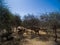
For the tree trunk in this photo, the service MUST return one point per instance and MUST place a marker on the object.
(55, 31)
(55, 35)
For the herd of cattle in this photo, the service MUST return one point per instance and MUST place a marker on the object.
(21, 30)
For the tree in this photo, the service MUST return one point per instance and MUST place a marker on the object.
(44, 20)
(16, 21)
(52, 21)
(32, 22)
(5, 19)
(3, 12)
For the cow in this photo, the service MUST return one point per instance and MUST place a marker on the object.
(35, 29)
(44, 29)
(21, 30)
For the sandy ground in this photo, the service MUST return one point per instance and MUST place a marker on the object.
(36, 42)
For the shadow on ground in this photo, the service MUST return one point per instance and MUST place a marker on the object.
(40, 37)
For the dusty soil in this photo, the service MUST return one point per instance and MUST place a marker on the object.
(37, 41)
(28, 39)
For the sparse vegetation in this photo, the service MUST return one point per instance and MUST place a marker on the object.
(31, 28)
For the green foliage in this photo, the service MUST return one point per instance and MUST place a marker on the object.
(7, 19)
(16, 21)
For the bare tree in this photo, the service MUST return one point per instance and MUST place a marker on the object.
(52, 21)
(31, 22)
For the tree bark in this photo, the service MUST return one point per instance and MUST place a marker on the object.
(55, 35)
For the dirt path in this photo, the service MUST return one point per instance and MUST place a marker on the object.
(37, 42)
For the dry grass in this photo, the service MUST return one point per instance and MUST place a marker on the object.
(30, 39)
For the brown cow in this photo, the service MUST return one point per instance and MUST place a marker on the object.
(21, 30)
(36, 29)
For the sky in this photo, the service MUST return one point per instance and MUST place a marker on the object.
(24, 7)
